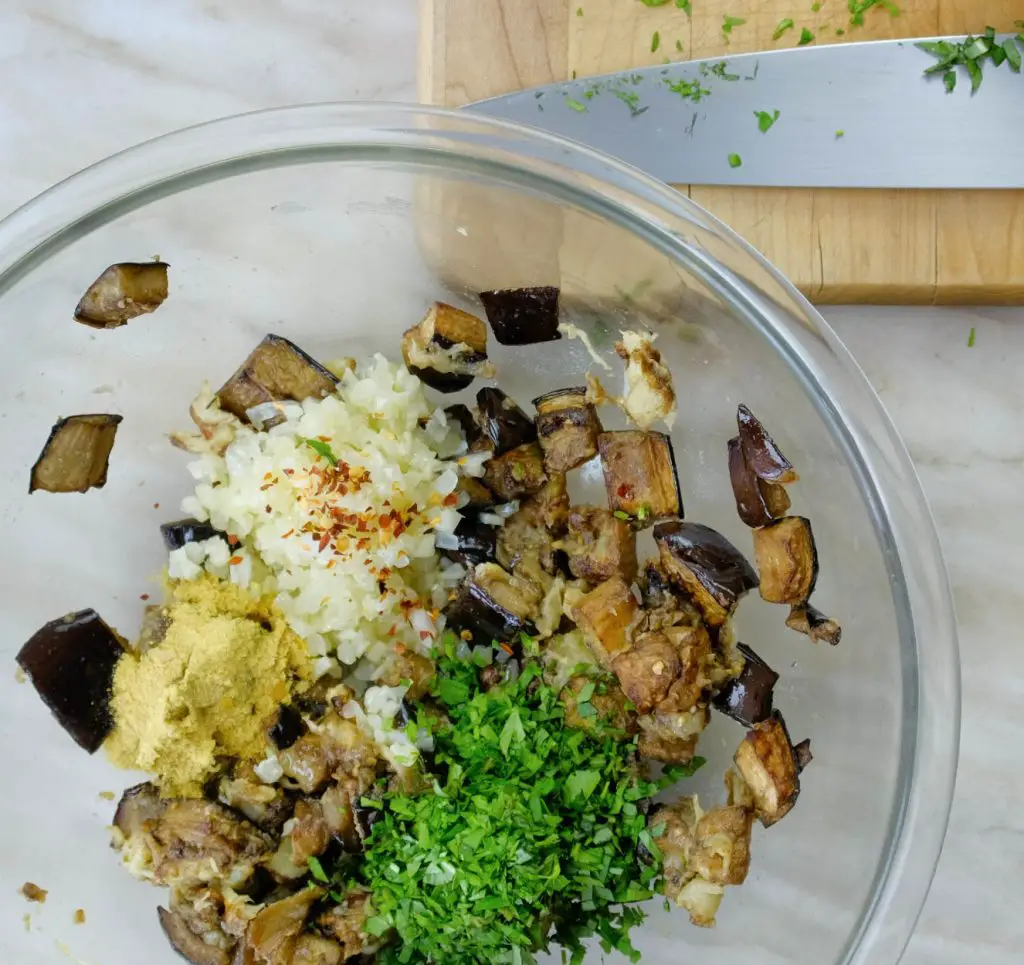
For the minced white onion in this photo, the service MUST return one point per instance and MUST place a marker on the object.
(506, 509)
(473, 463)
(446, 541)
(266, 412)
(491, 519)
(269, 770)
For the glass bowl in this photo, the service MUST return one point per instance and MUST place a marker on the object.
(335, 226)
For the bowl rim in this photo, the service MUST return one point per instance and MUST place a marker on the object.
(887, 480)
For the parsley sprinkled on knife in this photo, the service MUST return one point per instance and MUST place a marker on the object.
(529, 836)
(729, 22)
(655, 41)
(970, 338)
(783, 26)
(575, 104)
(322, 449)
(765, 119)
(971, 54)
(735, 161)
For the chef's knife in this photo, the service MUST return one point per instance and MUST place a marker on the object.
(849, 115)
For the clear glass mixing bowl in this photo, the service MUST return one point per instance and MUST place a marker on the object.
(335, 226)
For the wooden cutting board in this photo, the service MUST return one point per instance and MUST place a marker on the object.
(837, 245)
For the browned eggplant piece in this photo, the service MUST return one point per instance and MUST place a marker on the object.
(707, 566)
(600, 545)
(609, 706)
(187, 943)
(640, 476)
(287, 728)
(123, 292)
(478, 496)
(526, 542)
(277, 370)
(76, 454)
(787, 560)
(768, 763)
(811, 622)
(310, 833)
(748, 697)
(71, 662)
(415, 670)
(568, 427)
(803, 754)
(650, 395)
(503, 422)
(477, 543)
(447, 349)
(494, 605)
(647, 670)
(476, 439)
(523, 316)
(346, 923)
(765, 459)
(273, 932)
(517, 473)
(606, 615)
(757, 502)
(183, 531)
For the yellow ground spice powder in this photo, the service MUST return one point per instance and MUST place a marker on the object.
(207, 690)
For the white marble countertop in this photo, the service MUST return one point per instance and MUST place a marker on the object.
(81, 81)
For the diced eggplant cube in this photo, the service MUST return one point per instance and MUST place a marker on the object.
(276, 371)
(707, 566)
(757, 502)
(665, 748)
(503, 422)
(748, 697)
(447, 349)
(803, 754)
(600, 545)
(811, 622)
(476, 543)
(769, 765)
(650, 395)
(640, 476)
(287, 728)
(187, 943)
(76, 455)
(765, 458)
(647, 670)
(184, 531)
(568, 427)
(606, 615)
(71, 662)
(721, 851)
(523, 316)
(494, 605)
(123, 292)
(787, 560)
(517, 473)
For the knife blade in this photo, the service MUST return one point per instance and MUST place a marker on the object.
(899, 128)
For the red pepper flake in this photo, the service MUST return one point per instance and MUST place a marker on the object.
(156, 505)
(235, 560)
(289, 533)
(268, 475)
(425, 634)
(143, 597)
(267, 509)
(451, 499)
(507, 649)
(331, 564)
(393, 630)
(466, 635)
(232, 539)
(265, 487)
(324, 540)
(289, 472)
(401, 649)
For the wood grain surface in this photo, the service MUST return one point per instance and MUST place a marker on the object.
(919, 247)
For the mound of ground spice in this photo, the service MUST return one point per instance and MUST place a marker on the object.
(207, 689)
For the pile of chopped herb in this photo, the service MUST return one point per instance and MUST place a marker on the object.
(971, 54)
(528, 837)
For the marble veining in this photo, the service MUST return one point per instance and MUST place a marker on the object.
(81, 81)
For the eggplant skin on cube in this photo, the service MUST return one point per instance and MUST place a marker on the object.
(811, 622)
(491, 604)
(748, 697)
(757, 502)
(123, 292)
(76, 455)
(516, 473)
(71, 662)
(523, 316)
(769, 765)
(707, 566)
(476, 543)
(606, 616)
(762, 454)
(447, 349)
(568, 427)
(640, 475)
(503, 422)
(787, 560)
(184, 531)
(275, 371)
